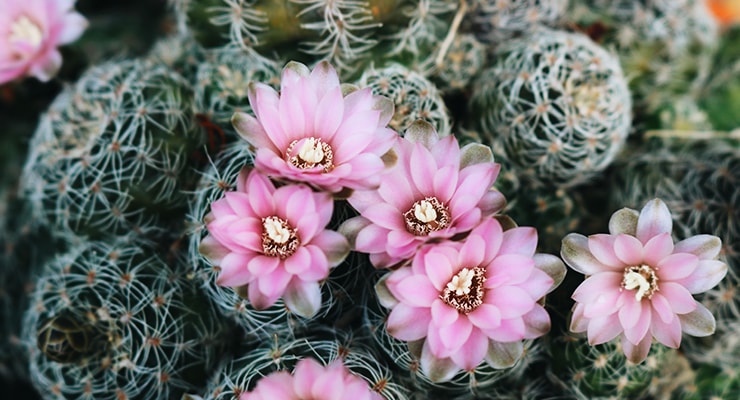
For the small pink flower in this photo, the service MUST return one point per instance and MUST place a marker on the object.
(434, 191)
(31, 31)
(311, 132)
(472, 300)
(274, 242)
(311, 380)
(639, 283)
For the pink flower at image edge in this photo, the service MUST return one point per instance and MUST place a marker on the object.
(30, 33)
(311, 380)
(274, 242)
(639, 284)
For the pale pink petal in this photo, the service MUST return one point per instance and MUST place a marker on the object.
(446, 153)
(333, 244)
(504, 355)
(438, 267)
(213, 250)
(234, 270)
(278, 385)
(299, 262)
(262, 265)
(371, 239)
(576, 254)
(492, 202)
(536, 322)
(637, 353)
(437, 369)
(417, 291)
(274, 284)
(603, 329)
(666, 332)
(251, 130)
(472, 352)
(408, 323)
(578, 323)
(260, 191)
(47, 68)
(324, 78)
(662, 308)
(306, 372)
(602, 248)
(706, 247)
(699, 322)
(492, 233)
(385, 216)
(521, 240)
(455, 334)
(657, 248)
(631, 310)
(677, 266)
(628, 249)
(329, 114)
(510, 330)
(443, 314)
(637, 332)
(512, 301)
(445, 182)
(538, 284)
(654, 219)
(423, 169)
(707, 275)
(303, 298)
(485, 317)
(679, 298)
(318, 269)
(598, 285)
(509, 269)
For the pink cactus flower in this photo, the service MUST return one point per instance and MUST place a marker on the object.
(31, 31)
(273, 242)
(312, 132)
(434, 191)
(472, 300)
(639, 283)
(311, 380)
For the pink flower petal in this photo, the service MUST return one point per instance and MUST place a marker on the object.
(454, 335)
(261, 265)
(471, 354)
(603, 329)
(324, 78)
(299, 262)
(371, 239)
(274, 284)
(510, 330)
(637, 332)
(699, 322)
(436, 368)
(637, 353)
(444, 183)
(259, 192)
(438, 267)
(631, 310)
(666, 332)
(707, 275)
(576, 254)
(504, 355)
(538, 284)
(485, 317)
(522, 240)
(536, 322)
(306, 372)
(72, 27)
(628, 249)
(446, 152)
(679, 298)
(423, 169)
(578, 323)
(278, 385)
(706, 247)
(408, 323)
(443, 314)
(603, 284)
(234, 270)
(602, 248)
(654, 219)
(303, 298)
(386, 216)
(509, 269)
(677, 266)
(662, 308)
(511, 301)
(251, 130)
(657, 248)
(417, 291)
(329, 113)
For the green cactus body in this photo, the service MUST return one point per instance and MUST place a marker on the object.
(413, 95)
(222, 82)
(720, 91)
(498, 20)
(584, 372)
(111, 155)
(241, 374)
(662, 45)
(347, 33)
(114, 320)
(462, 62)
(556, 104)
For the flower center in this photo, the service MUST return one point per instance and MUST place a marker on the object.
(426, 216)
(465, 291)
(279, 239)
(23, 30)
(310, 152)
(642, 278)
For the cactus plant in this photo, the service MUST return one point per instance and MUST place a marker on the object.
(556, 103)
(112, 153)
(115, 320)
(499, 20)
